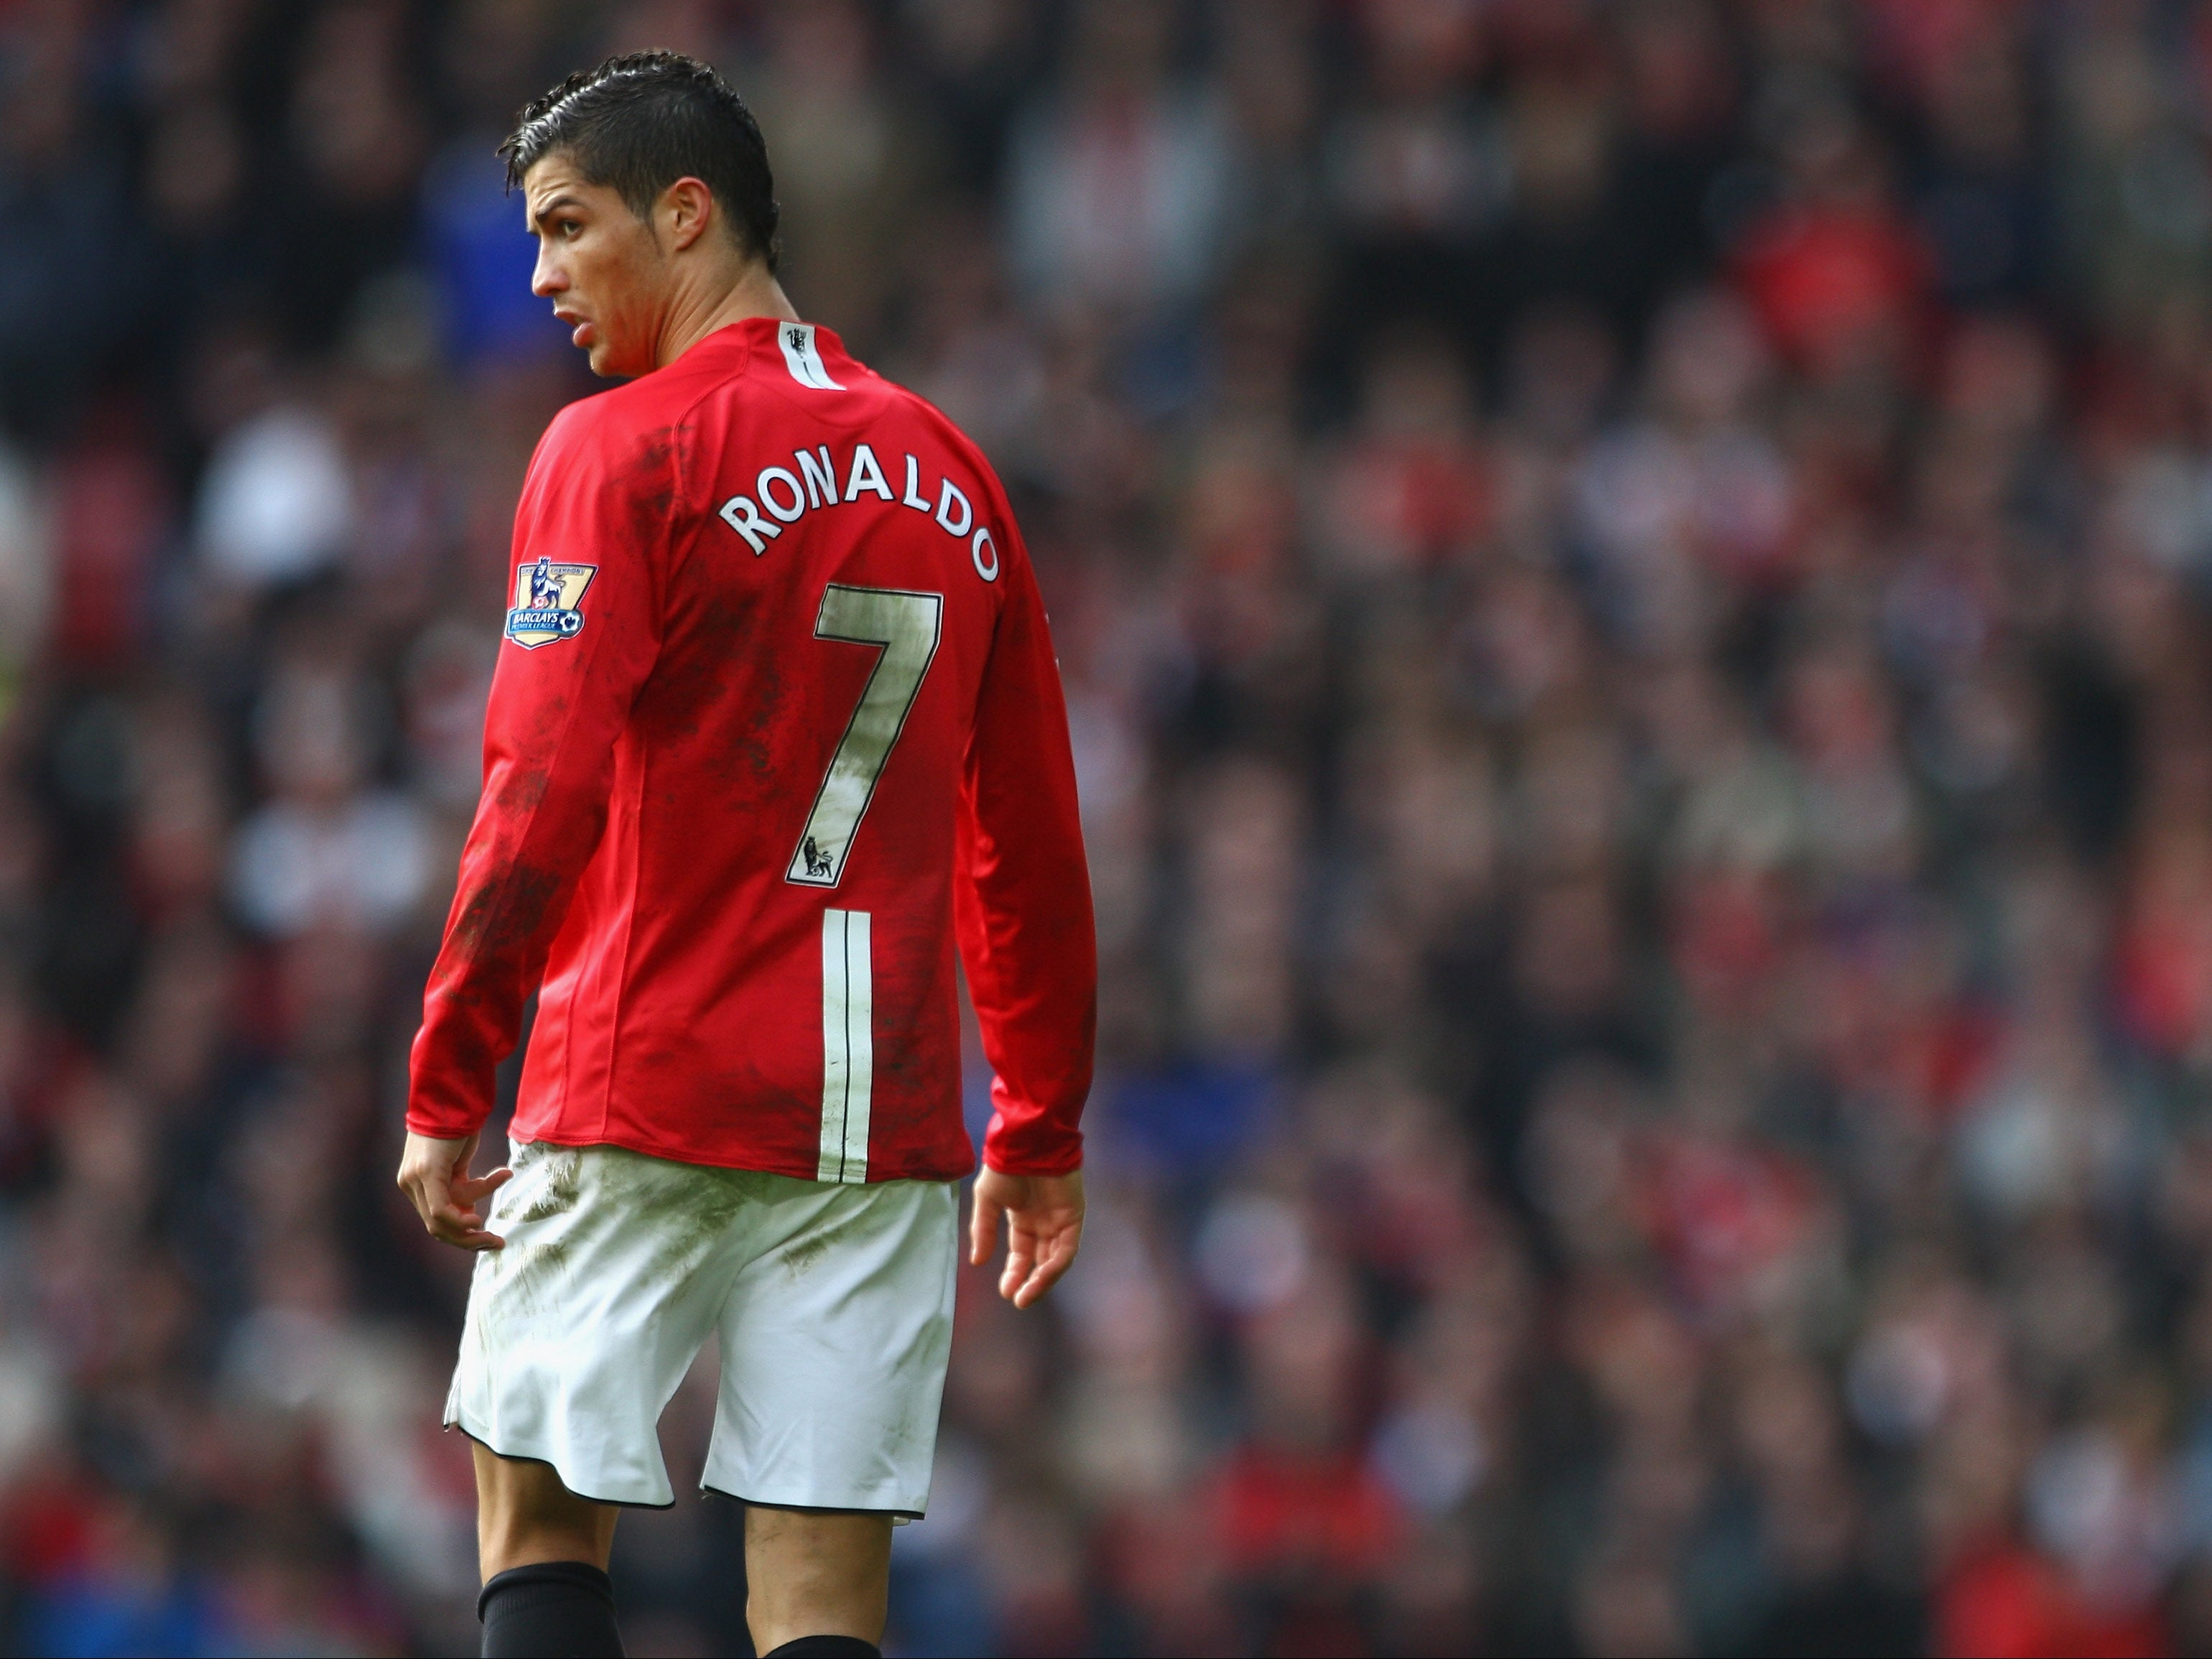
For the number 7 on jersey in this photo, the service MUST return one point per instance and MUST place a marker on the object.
(906, 626)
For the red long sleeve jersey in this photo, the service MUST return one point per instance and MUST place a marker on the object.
(776, 718)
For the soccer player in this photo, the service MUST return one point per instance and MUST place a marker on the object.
(777, 729)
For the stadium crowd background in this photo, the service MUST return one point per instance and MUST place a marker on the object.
(1633, 581)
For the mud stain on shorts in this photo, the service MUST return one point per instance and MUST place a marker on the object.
(692, 1207)
(564, 1185)
(530, 1269)
(541, 1268)
(803, 1253)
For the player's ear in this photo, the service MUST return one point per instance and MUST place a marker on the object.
(686, 207)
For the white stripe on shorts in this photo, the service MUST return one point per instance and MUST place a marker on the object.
(848, 1046)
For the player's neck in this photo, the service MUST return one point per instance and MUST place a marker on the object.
(755, 294)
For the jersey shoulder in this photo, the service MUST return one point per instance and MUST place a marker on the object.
(922, 410)
(635, 411)
(826, 382)
(833, 388)
(622, 449)
(994, 503)
(610, 435)
(907, 404)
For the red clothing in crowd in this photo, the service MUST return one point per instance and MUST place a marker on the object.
(2006, 1602)
(776, 718)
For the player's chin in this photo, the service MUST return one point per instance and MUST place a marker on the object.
(609, 365)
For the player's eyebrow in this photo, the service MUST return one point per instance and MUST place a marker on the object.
(538, 216)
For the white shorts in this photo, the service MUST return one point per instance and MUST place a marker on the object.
(834, 1305)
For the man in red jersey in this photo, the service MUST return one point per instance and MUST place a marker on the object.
(777, 729)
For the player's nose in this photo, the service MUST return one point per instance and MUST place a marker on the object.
(547, 279)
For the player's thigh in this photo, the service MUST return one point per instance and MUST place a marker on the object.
(834, 1347)
(525, 1515)
(811, 1573)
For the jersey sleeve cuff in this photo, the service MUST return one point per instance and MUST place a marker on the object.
(450, 1123)
(1024, 1152)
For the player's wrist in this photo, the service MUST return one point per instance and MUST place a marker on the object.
(1032, 1149)
(446, 1101)
(1028, 1169)
(434, 1126)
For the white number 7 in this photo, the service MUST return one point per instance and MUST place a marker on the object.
(906, 626)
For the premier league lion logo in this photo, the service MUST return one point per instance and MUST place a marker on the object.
(545, 600)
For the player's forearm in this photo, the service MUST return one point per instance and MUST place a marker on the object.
(1031, 953)
(473, 1010)
(518, 873)
(1030, 943)
(470, 1021)
(451, 1069)
(1040, 1042)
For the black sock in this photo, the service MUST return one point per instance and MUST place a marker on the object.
(825, 1647)
(549, 1610)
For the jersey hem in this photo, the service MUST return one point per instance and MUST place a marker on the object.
(794, 1168)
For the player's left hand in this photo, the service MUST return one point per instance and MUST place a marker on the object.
(434, 1176)
(1044, 1229)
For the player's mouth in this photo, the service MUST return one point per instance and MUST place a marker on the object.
(579, 329)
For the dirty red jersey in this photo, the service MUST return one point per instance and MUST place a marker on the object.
(777, 729)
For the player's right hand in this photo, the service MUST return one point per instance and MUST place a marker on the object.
(434, 1176)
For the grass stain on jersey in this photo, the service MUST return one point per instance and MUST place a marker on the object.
(504, 911)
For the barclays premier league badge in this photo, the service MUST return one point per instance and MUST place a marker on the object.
(545, 599)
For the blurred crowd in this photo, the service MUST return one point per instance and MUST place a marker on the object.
(1634, 583)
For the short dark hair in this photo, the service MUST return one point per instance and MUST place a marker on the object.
(639, 123)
